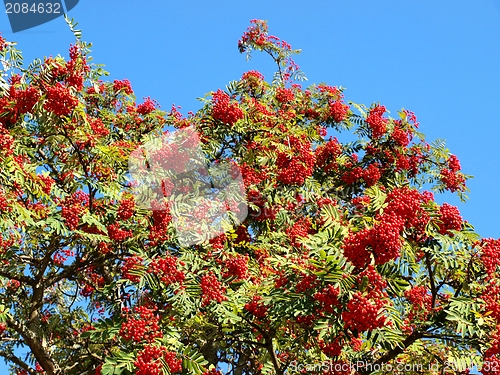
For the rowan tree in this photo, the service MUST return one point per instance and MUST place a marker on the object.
(344, 258)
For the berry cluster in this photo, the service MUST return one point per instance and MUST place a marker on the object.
(361, 202)
(123, 85)
(256, 37)
(61, 256)
(161, 219)
(331, 349)
(450, 219)
(174, 364)
(126, 209)
(354, 248)
(295, 168)
(13, 285)
(59, 100)
(73, 207)
(6, 140)
(351, 176)
(327, 154)
(166, 269)
(104, 247)
(300, 229)
(98, 127)
(491, 300)
(284, 95)
(56, 68)
(332, 92)
(408, 159)
(75, 69)
(255, 34)
(383, 240)
(306, 282)
(452, 180)
(118, 234)
(376, 283)
(149, 361)
(356, 344)
(256, 307)
(454, 163)
(306, 321)
(421, 302)
(259, 111)
(451, 176)
(211, 289)
(5, 243)
(4, 204)
(218, 242)
(170, 157)
(401, 137)
(407, 204)
(242, 234)
(363, 313)
(328, 297)
(376, 121)
(253, 81)
(322, 131)
(411, 118)
(494, 348)
(17, 102)
(253, 74)
(3, 43)
(490, 255)
(280, 281)
(223, 110)
(364, 307)
(403, 212)
(325, 201)
(25, 99)
(46, 183)
(237, 266)
(338, 110)
(147, 107)
(372, 174)
(144, 328)
(251, 176)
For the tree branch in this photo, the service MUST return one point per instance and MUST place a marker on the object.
(12, 358)
(37, 348)
(268, 344)
(391, 354)
(431, 278)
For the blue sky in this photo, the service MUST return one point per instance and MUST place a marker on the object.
(439, 59)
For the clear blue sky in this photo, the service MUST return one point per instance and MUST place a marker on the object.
(440, 59)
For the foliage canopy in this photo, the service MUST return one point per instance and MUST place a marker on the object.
(343, 258)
